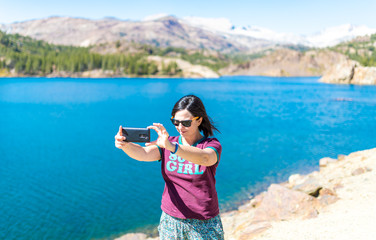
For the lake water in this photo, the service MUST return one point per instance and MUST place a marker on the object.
(61, 176)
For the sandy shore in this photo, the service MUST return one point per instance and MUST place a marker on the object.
(337, 202)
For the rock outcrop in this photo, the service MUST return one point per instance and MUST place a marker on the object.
(286, 62)
(302, 197)
(350, 72)
(349, 195)
(364, 76)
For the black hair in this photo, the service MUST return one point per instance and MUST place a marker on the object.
(195, 106)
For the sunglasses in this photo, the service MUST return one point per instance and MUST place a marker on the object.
(185, 123)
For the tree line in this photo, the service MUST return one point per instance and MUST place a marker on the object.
(34, 57)
(363, 52)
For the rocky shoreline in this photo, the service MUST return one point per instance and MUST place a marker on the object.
(310, 201)
(98, 73)
(349, 72)
(334, 68)
(186, 70)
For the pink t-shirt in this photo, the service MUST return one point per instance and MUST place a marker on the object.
(190, 188)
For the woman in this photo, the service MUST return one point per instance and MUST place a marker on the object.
(189, 161)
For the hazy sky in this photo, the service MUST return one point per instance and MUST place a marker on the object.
(295, 16)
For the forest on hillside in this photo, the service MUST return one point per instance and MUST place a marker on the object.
(35, 57)
(361, 49)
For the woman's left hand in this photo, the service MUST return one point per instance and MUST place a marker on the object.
(163, 135)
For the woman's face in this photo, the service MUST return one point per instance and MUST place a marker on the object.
(187, 131)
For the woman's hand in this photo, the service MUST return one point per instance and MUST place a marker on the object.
(119, 139)
(163, 135)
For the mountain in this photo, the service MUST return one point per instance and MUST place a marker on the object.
(325, 38)
(159, 30)
(162, 32)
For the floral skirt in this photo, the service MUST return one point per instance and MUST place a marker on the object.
(172, 228)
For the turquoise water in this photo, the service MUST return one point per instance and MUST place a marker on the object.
(62, 177)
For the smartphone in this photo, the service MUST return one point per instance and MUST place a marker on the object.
(136, 134)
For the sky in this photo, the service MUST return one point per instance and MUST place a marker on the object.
(289, 16)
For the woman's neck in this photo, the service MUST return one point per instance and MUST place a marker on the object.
(190, 140)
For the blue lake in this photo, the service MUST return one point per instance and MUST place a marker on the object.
(61, 176)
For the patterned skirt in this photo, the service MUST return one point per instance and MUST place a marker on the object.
(172, 228)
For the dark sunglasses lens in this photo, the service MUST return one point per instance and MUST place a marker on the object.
(175, 122)
(186, 123)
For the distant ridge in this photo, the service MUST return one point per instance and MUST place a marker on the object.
(163, 32)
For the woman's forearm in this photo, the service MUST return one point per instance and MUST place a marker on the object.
(139, 153)
(194, 155)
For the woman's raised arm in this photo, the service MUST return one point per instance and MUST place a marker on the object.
(135, 151)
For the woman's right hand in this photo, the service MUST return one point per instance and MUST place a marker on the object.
(119, 139)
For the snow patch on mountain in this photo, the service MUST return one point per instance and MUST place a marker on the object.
(155, 17)
(213, 24)
(328, 37)
(334, 35)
